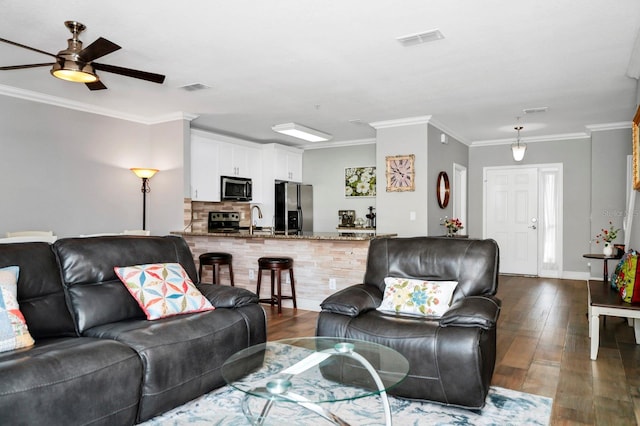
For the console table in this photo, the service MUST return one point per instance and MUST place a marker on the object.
(605, 301)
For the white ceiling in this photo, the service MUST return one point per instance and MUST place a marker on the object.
(325, 63)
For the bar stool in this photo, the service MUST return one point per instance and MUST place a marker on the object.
(276, 265)
(216, 259)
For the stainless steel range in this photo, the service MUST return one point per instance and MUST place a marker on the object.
(224, 222)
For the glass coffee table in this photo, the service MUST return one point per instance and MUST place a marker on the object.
(310, 371)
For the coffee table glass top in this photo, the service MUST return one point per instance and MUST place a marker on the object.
(321, 369)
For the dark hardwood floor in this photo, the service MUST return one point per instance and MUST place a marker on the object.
(543, 348)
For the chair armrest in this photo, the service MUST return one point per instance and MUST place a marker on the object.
(353, 301)
(474, 311)
(222, 296)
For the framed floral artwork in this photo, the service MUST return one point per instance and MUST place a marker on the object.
(400, 173)
(360, 182)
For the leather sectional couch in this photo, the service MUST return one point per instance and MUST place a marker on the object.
(97, 360)
(451, 357)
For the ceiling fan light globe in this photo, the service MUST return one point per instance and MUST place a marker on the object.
(72, 71)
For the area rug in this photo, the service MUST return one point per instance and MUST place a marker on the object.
(503, 407)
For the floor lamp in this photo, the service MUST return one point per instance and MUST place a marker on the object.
(145, 175)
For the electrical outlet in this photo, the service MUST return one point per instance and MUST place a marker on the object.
(252, 274)
(287, 279)
(332, 283)
(195, 215)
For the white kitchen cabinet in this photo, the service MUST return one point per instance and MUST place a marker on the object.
(205, 177)
(288, 165)
(214, 155)
(234, 160)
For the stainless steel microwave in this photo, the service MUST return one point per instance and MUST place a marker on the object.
(235, 188)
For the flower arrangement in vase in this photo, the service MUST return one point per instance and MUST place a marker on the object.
(453, 225)
(607, 236)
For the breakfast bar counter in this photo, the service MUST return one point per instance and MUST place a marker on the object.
(320, 260)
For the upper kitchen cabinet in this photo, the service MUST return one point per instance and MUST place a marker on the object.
(205, 177)
(239, 160)
(287, 162)
(215, 155)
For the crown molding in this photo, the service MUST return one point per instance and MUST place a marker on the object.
(354, 142)
(409, 121)
(178, 115)
(532, 139)
(32, 96)
(438, 125)
(608, 126)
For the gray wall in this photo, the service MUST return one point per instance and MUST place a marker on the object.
(68, 171)
(394, 208)
(324, 169)
(441, 158)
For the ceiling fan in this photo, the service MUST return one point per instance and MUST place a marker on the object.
(76, 64)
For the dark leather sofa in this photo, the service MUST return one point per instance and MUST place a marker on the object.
(97, 359)
(451, 358)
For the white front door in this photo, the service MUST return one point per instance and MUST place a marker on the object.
(511, 217)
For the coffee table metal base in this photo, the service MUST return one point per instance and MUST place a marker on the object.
(280, 390)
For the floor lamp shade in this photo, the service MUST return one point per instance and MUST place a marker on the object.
(145, 175)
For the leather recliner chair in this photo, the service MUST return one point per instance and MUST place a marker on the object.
(452, 357)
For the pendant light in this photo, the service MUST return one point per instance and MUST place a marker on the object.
(518, 149)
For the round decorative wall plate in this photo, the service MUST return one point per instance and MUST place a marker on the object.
(443, 190)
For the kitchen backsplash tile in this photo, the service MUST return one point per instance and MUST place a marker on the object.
(197, 212)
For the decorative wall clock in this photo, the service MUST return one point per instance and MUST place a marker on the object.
(400, 173)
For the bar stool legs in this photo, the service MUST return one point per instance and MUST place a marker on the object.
(276, 265)
(216, 259)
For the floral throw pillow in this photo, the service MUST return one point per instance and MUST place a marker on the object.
(162, 289)
(14, 333)
(417, 297)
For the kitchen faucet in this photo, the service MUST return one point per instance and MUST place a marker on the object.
(251, 217)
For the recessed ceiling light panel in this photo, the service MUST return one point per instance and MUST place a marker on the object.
(301, 132)
(420, 38)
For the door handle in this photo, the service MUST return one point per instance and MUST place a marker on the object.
(532, 227)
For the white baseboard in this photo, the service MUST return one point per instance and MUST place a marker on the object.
(576, 275)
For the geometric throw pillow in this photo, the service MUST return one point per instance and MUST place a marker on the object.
(417, 297)
(162, 289)
(14, 333)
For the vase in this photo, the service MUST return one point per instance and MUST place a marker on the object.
(607, 250)
(451, 232)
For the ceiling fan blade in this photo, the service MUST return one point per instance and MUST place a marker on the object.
(143, 75)
(19, 67)
(96, 85)
(98, 49)
(27, 47)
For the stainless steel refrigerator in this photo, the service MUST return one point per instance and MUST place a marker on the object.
(293, 208)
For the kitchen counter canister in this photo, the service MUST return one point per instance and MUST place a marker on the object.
(323, 262)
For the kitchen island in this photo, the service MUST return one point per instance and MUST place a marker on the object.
(318, 258)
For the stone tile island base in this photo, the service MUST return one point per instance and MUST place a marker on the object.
(317, 258)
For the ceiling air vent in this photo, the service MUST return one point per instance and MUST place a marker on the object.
(419, 38)
(535, 110)
(195, 87)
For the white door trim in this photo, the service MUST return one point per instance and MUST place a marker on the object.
(460, 194)
(558, 168)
